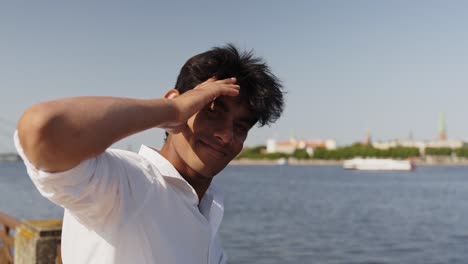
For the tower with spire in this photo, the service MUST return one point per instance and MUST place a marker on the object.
(442, 128)
(368, 140)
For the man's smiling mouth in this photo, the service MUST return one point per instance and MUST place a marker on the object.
(216, 150)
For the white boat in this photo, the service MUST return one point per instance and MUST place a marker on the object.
(282, 161)
(378, 164)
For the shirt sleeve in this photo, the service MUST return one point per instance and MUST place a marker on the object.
(94, 190)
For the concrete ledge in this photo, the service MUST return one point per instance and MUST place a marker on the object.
(37, 241)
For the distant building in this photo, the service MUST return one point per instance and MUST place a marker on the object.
(409, 143)
(288, 147)
(441, 142)
(421, 145)
(447, 143)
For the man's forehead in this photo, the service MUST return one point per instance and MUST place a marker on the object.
(231, 103)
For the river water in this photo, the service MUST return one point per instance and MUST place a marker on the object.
(318, 214)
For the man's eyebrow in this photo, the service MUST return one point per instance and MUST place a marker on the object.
(249, 120)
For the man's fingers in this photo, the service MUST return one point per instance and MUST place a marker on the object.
(210, 80)
(213, 88)
(229, 89)
(231, 80)
(227, 80)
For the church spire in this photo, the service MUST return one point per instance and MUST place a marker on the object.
(442, 128)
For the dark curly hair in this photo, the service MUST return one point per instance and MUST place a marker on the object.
(259, 87)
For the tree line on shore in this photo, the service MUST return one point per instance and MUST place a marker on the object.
(355, 150)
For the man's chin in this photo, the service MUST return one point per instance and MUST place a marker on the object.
(208, 166)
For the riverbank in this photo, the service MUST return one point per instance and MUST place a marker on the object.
(311, 162)
(290, 162)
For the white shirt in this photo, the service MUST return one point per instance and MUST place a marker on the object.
(123, 207)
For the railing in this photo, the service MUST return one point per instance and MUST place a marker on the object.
(7, 242)
(30, 241)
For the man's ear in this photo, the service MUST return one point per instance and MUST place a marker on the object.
(171, 94)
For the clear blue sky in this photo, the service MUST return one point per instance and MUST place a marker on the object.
(388, 67)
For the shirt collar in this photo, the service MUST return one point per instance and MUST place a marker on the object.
(168, 170)
(164, 166)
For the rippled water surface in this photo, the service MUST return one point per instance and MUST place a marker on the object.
(294, 214)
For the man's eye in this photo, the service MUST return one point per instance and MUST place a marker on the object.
(241, 129)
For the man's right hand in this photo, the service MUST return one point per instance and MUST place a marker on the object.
(192, 101)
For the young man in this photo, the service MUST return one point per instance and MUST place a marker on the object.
(154, 206)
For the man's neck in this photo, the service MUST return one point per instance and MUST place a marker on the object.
(197, 181)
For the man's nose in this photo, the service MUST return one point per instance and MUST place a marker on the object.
(224, 134)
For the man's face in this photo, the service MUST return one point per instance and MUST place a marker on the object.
(214, 136)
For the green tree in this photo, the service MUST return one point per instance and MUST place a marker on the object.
(462, 152)
(300, 154)
(439, 151)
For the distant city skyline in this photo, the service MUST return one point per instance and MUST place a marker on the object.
(440, 132)
(388, 67)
